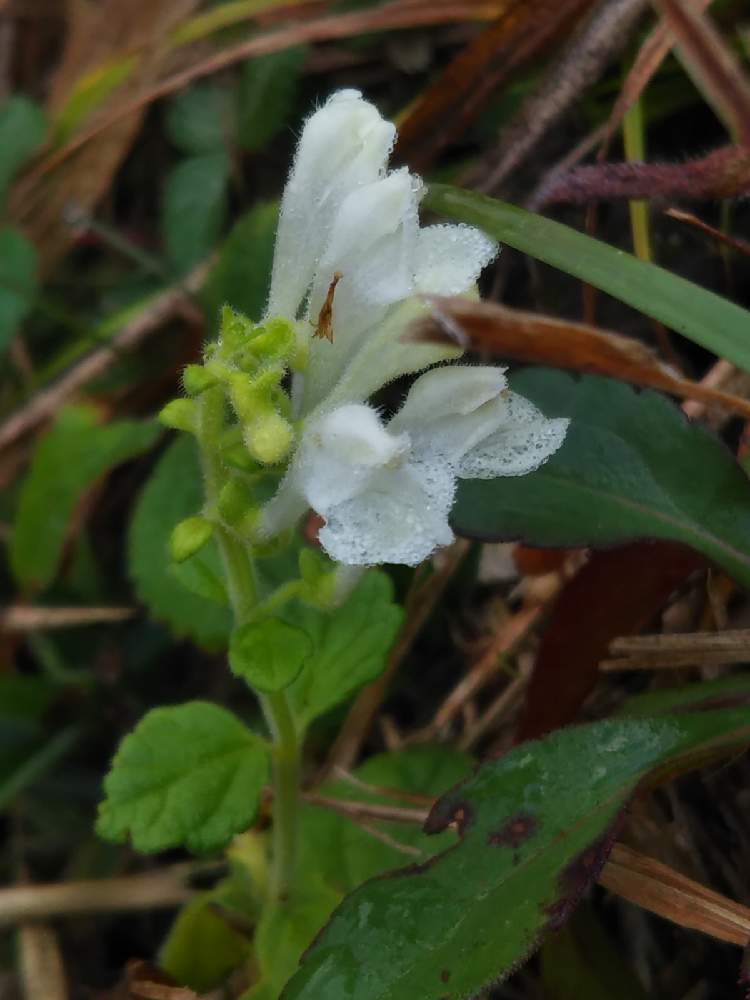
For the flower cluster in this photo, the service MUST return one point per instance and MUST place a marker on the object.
(350, 253)
(352, 271)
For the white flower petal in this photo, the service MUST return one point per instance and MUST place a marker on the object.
(401, 518)
(383, 356)
(523, 442)
(372, 245)
(450, 258)
(454, 389)
(344, 145)
(341, 452)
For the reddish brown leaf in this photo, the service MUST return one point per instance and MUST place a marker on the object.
(604, 35)
(522, 336)
(525, 30)
(616, 593)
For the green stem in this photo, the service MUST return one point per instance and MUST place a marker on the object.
(238, 567)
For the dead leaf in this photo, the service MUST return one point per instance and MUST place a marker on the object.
(524, 30)
(532, 337)
(615, 593)
(98, 34)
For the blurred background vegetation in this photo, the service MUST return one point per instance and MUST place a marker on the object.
(143, 147)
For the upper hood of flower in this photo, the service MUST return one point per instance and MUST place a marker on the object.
(349, 242)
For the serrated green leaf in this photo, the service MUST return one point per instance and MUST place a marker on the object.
(18, 281)
(68, 460)
(535, 827)
(268, 654)
(189, 775)
(631, 467)
(200, 119)
(175, 491)
(22, 130)
(194, 208)
(267, 92)
(350, 645)
(241, 275)
(702, 316)
(345, 854)
(201, 948)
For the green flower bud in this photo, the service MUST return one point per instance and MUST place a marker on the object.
(234, 501)
(196, 379)
(269, 438)
(188, 537)
(180, 415)
(236, 330)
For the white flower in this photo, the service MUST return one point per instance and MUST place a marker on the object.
(386, 490)
(343, 214)
(349, 249)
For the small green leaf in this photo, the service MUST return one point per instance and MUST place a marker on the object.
(189, 536)
(201, 948)
(22, 130)
(187, 775)
(631, 467)
(68, 460)
(350, 645)
(194, 208)
(535, 829)
(175, 491)
(199, 119)
(18, 282)
(267, 92)
(702, 316)
(268, 654)
(241, 275)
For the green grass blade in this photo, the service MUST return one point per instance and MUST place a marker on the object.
(700, 315)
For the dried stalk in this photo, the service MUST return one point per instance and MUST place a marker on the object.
(44, 405)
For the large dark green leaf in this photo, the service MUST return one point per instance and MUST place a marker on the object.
(698, 314)
(535, 827)
(631, 467)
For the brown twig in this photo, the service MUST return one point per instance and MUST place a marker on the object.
(684, 649)
(604, 35)
(692, 220)
(43, 406)
(367, 810)
(163, 887)
(22, 618)
(42, 972)
(508, 636)
(661, 890)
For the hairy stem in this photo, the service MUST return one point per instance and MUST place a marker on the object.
(241, 585)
